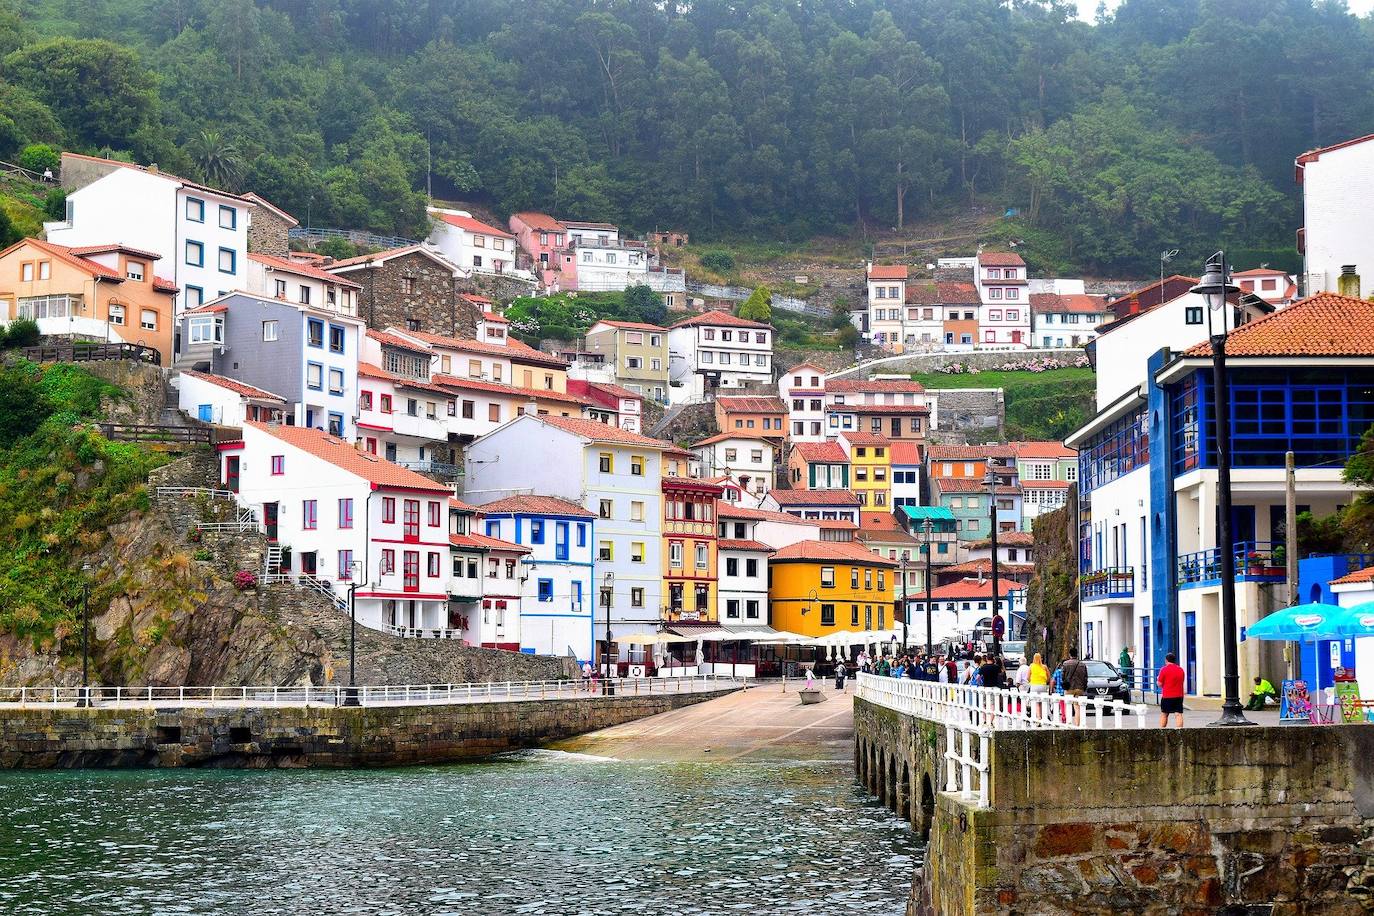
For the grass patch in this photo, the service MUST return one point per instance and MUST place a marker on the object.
(1040, 405)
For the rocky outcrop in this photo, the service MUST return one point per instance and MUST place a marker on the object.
(1052, 613)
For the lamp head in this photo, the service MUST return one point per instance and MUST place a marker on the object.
(1215, 285)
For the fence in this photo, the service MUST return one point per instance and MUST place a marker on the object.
(128, 432)
(391, 695)
(740, 294)
(993, 707)
(91, 353)
(356, 236)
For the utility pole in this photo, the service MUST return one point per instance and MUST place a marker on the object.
(1290, 537)
(930, 528)
(906, 605)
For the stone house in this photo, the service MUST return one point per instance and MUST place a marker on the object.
(268, 230)
(413, 288)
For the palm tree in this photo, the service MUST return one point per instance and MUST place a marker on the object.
(218, 159)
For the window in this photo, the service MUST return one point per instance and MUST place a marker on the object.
(605, 508)
(385, 401)
(309, 516)
(605, 550)
(994, 314)
(708, 356)
(702, 555)
(195, 210)
(116, 314)
(634, 362)
(675, 554)
(228, 261)
(269, 331)
(732, 608)
(314, 332)
(636, 597)
(854, 578)
(148, 319)
(195, 254)
(345, 566)
(1012, 314)
(994, 293)
(606, 462)
(278, 465)
(336, 337)
(637, 465)
(536, 531)
(314, 376)
(194, 296)
(751, 569)
(389, 562)
(1192, 314)
(581, 535)
(546, 590)
(827, 577)
(494, 413)
(336, 381)
(827, 615)
(636, 511)
(731, 566)
(228, 217)
(134, 270)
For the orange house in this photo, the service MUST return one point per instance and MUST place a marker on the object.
(753, 415)
(106, 293)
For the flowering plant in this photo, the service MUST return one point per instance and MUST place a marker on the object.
(245, 580)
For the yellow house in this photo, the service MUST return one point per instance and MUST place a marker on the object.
(105, 293)
(689, 543)
(870, 460)
(821, 587)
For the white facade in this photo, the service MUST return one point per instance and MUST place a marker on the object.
(1065, 329)
(802, 389)
(213, 399)
(1004, 318)
(300, 283)
(747, 460)
(471, 244)
(610, 264)
(556, 595)
(1353, 594)
(1338, 225)
(731, 352)
(742, 575)
(886, 305)
(201, 234)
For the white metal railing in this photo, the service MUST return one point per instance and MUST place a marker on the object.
(324, 588)
(338, 695)
(195, 491)
(422, 632)
(245, 519)
(995, 708)
(966, 773)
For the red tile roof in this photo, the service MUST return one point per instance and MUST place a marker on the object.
(828, 452)
(1072, 303)
(482, 542)
(1359, 576)
(538, 221)
(395, 340)
(888, 272)
(725, 319)
(904, 452)
(302, 270)
(1045, 484)
(263, 202)
(813, 498)
(971, 588)
(983, 565)
(1326, 324)
(726, 510)
(493, 317)
(1313, 154)
(957, 292)
(602, 432)
(1000, 259)
(1147, 297)
(800, 366)
(968, 452)
(163, 285)
(873, 386)
(390, 254)
(535, 505)
(83, 250)
(831, 551)
(856, 437)
(471, 225)
(738, 434)
(731, 544)
(66, 254)
(971, 485)
(1259, 272)
(1043, 450)
(1007, 539)
(458, 383)
(630, 325)
(512, 349)
(341, 454)
(235, 386)
(913, 410)
(368, 370)
(751, 404)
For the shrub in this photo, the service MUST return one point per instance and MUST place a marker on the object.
(55, 203)
(204, 555)
(39, 156)
(245, 580)
(721, 262)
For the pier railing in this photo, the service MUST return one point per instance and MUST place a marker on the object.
(995, 708)
(342, 695)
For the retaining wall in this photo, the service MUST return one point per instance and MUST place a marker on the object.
(1260, 820)
(262, 737)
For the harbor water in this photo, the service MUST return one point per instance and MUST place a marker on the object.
(538, 832)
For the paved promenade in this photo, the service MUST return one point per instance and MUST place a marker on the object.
(761, 723)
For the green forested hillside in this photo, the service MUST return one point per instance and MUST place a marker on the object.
(1172, 123)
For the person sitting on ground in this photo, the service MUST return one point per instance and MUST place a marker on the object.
(1263, 693)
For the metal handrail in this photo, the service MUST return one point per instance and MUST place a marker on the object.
(993, 707)
(339, 695)
(195, 491)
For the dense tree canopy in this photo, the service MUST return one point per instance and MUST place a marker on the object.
(1164, 124)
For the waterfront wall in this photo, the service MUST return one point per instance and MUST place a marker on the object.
(262, 737)
(1262, 820)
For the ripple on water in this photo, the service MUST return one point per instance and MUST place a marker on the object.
(535, 832)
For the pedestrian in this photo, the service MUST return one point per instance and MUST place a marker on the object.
(1171, 680)
(587, 676)
(1127, 665)
(840, 674)
(1038, 676)
(991, 672)
(966, 673)
(1023, 676)
(1075, 677)
(900, 670)
(810, 678)
(884, 669)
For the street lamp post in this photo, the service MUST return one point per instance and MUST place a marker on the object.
(85, 698)
(906, 604)
(351, 694)
(607, 590)
(930, 531)
(1214, 287)
(991, 481)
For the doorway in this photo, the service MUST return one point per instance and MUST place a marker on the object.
(231, 473)
(269, 520)
(1190, 650)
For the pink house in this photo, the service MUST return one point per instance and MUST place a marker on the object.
(543, 239)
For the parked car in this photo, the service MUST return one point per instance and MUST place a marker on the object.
(1013, 654)
(1105, 680)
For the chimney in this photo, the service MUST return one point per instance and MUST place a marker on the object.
(1348, 284)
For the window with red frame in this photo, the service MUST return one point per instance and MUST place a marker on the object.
(388, 509)
(388, 562)
(385, 403)
(434, 565)
(364, 400)
(346, 565)
(345, 513)
(410, 571)
(434, 519)
(278, 465)
(309, 514)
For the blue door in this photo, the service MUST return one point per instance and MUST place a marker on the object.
(1142, 656)
(1190, 648)
(204, 413)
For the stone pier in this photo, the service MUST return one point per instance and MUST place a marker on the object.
(1266, 820)
(295, 736)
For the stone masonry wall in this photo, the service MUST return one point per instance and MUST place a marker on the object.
(298, 737)
(432, 304)
(972, 415)
(929, 362)
(267, 233)
(1262, 820)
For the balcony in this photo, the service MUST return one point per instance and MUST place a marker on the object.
(439, 469)
(1256, 561)
(1112, 583)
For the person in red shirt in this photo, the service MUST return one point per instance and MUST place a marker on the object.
(1171, 681)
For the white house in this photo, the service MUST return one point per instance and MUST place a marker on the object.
(297, 281)
(201, 233)
(1066, 320)
(716, 350)
(609, 263)
(470, 243)
(485, 589)
(1275, 287)
(886, 304)
(741, 572)
(802, 389)
(748, 459)
(611, 472)
(1004, 319)
(348, 518)
(225, 401)
(1337, 231)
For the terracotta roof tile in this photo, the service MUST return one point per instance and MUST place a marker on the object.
(836, 551)
(957, 292)
(1326, 324)
(888, 272)
(341, 454)
(1001, 259)
(912, 410)
(968, 452)
(726, 510)
(512, 350)
(458, 383)
(814, 498)
(302, 269)
(1073, 303)
(538, 221)
(905, 453)
(1007, 539)
(731, 544)
(873, 386)
(972, 588)
(738, 434)
(395, 340)
(983, 565)
(629, 325)
(69, 256)
(602, 432)
(535, 505)
(482, 542)
(471, 225)
(235, 386)
(971, 485)
(1045, 484)
(751, 404)
(1359, 576)
(83, 250)
(828, 452)
(1043, 450)
(865, 440)
(725, 319)
(369, 370)
(163, 285)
